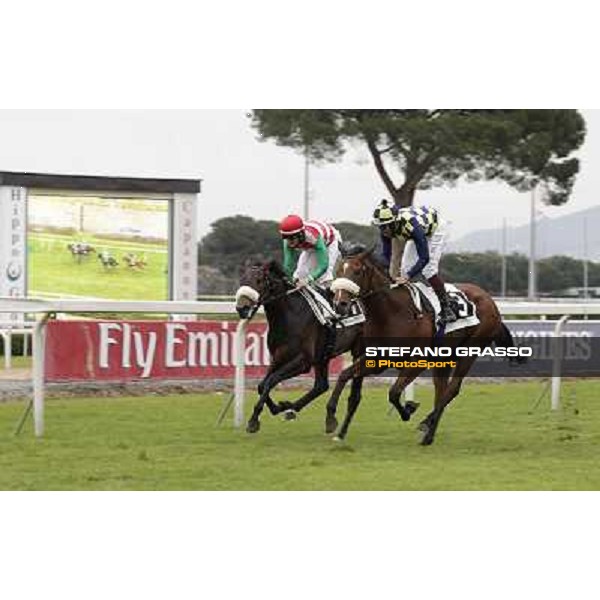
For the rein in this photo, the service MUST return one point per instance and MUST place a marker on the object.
(370, 293)
(389, 286)
(264, 301)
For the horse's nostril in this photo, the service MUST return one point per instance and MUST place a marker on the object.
(342, 307)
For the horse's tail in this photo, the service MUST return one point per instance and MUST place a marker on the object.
(505, 339)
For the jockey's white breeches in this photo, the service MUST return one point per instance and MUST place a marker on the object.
(308, 262)
(437, 244)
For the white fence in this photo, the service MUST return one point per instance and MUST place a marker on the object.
(8, 329)
(45, 309)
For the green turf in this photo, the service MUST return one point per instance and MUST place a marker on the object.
(52, 270)
(490, 439)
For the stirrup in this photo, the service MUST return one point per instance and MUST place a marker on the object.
(448, 316)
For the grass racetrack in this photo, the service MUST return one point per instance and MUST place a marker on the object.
(491, 438)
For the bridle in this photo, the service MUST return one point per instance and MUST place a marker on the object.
(372, 292)
(263, 298)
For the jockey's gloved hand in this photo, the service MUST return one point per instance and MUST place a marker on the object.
(304, 282)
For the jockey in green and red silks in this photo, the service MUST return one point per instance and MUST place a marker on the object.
(414, 239)
(311, 250)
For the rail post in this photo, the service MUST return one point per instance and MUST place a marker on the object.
(557, 362)
(39, 351)
(240, 373)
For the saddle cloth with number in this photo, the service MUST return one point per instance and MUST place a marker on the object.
(467, 312)
(325, 313)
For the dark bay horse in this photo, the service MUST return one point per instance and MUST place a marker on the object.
(297, 341)
(391, 313)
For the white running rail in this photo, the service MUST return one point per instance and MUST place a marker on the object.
(46, 308)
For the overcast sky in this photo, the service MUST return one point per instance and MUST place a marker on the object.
(244, 176)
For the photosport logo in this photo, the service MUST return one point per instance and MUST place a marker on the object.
(529, 356)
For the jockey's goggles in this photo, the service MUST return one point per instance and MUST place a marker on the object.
(296, 237)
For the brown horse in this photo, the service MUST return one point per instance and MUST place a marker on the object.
(391, 313)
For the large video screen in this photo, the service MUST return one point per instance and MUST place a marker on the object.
(105, 248)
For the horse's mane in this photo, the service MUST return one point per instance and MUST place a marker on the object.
(272, 267)
(380, 266)
(350, 250)
(276, 269)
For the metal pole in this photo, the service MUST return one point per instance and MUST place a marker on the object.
(306, 185)
(504, 265)
(225, 409)
(81, 218)
(532, 251)
(23, 418)
(586, 282)
(240, 373)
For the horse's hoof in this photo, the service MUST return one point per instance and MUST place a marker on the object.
(427, 437)
(331, 425)
(253, 427)
(290, 415)
(412, 407)
(408, 410)
(427, 440)
(338, 440)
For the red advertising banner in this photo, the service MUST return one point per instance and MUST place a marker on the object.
(145, 350)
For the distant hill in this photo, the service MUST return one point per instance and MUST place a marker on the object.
(562, 236)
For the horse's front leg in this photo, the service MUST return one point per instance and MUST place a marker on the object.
(430, 424)
(357, 372)
(279, 363)
(331, 422)
(402, 382)
(353, 404)
(321, 385)
(441, 376)
(294, 367)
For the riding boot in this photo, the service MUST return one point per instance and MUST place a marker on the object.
(447, 314)
(330, 329)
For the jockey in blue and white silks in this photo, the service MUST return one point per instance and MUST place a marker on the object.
(422, 233)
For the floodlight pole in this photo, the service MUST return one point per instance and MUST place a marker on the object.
(586, 282)
(306, 184)
(504, 260)
(532, 250)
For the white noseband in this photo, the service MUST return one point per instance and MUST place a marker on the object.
(247, 292)
(345, 285)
